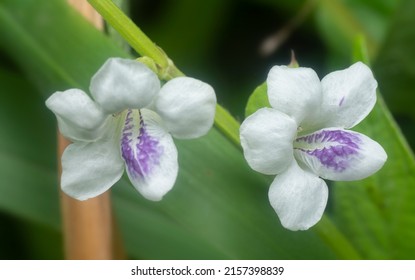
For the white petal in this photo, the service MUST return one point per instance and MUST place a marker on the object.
(298, 197)
(266, 138)
(149, 153)
(90, 169)
(187, 107)
(340, 155)
(79, 118)
(124, 84)
(348, 96)
(294, 91)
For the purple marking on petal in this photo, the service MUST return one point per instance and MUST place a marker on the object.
(141, 154)
(341, 101)
(340, 147)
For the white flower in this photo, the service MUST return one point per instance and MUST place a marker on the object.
(304, 136)
(129, 124)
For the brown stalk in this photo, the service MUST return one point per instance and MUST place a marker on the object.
(88, 226)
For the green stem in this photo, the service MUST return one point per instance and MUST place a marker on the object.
(227, 125)
(129, 31)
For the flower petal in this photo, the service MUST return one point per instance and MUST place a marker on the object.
(124, 84)
(90, 169)
(266, 138)
(298, 197)
(187, 107)
(294, 91)
(340, 155)
(348, 96)
(149, 153)
(79, 118)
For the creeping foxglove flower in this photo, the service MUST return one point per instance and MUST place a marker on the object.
(304, 137)
(128, 125)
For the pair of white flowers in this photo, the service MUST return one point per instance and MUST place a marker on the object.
(129, 124)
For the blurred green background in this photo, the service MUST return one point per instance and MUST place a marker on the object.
(219, 212)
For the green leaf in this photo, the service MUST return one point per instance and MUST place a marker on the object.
(218, 208)
(378, 213)
(396, 69)
(51, 63)
(257, 100)
(340, 22)
(27, 145)
(23, 239)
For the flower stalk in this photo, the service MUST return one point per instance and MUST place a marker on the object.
(88, 225)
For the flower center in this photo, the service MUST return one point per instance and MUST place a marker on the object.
(140, 151)
(333, 148)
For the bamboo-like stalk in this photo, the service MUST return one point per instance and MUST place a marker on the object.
(88, 226)
(89, 13)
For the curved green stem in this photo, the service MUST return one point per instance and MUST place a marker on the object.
(129, 31)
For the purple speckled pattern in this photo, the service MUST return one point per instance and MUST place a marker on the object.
(341, 101)
(141, 153)
(340, 146)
